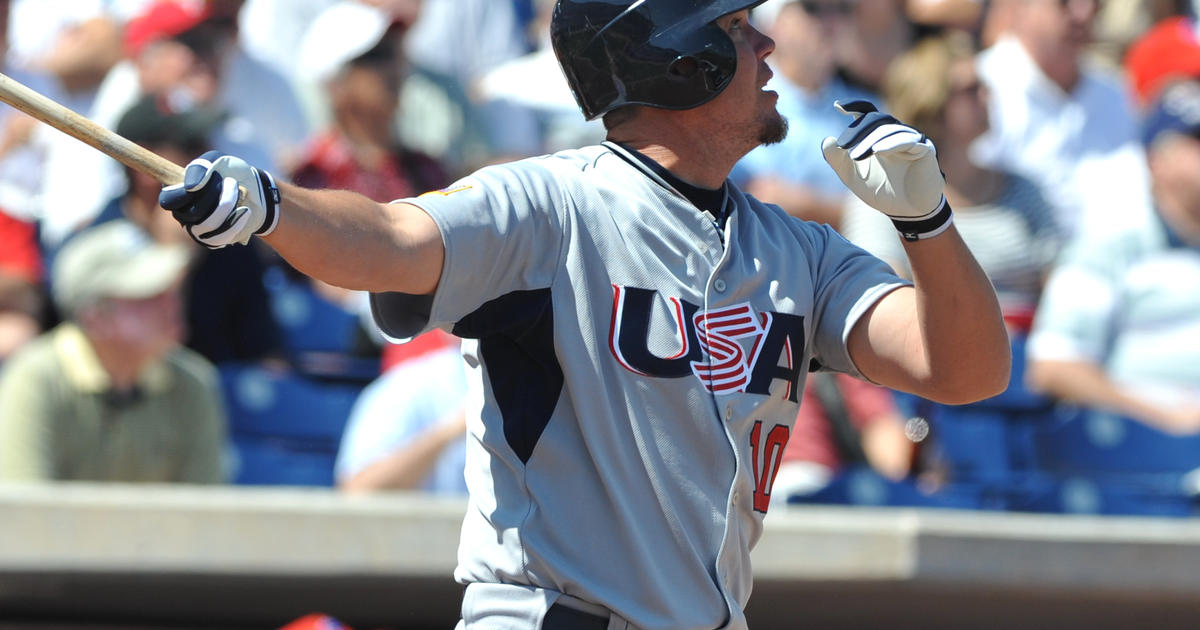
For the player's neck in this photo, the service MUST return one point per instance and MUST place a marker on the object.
(692, 159)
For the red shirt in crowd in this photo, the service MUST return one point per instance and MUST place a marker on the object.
(19, 254)
(812, 437)
(330, 163)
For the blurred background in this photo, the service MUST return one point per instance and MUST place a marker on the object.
(233, 445)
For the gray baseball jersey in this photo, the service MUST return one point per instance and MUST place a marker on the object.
(636, 373)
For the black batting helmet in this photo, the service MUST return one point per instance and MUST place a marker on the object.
(661, 53)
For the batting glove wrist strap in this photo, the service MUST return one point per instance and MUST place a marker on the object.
(928, 226)
(211, 207)
(888, 164)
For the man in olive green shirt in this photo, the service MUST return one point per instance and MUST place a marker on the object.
(110, 395)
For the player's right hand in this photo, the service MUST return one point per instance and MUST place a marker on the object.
(209, 204)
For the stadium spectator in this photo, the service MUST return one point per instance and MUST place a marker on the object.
(408, 429)
(1002, 216)
(531, 95)
(963, 15)
(1167, 52)
(791, 173)
(843, 421)
(228, 314)
(361, 150)
(1120, 23)
(79, 44)
(186, 51)
(1119, 324)
(490, 27)
(20, 284)
(21, 299)
(189, 52)
(21, 157)
(879, 31)
(75, 42)
(482, 35)
(1064, 124)
(109, 395)
(269, 29)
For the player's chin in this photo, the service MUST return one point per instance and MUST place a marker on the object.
(773, 128)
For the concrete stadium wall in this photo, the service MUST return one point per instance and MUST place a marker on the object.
(108, 556)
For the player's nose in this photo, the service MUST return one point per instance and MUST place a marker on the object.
(763, 44)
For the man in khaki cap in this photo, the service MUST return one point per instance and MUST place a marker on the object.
(110, 395)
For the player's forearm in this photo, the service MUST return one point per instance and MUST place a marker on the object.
(353, 242)
(962, 333)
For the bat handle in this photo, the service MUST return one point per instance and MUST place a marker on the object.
(89, 132)
(85, 130)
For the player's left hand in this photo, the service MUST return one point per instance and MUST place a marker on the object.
(891, 167)
(210, 203)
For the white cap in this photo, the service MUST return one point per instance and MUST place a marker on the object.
(114, 259)
(340, 33)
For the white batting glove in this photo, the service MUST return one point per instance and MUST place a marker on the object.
(210, 208)
(892, 168)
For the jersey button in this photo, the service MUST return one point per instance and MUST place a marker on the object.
(719, 285)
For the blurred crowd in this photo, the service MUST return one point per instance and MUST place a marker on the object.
(1068, 132)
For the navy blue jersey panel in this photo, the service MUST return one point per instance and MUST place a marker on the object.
(516, 343)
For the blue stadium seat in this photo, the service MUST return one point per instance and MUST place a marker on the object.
(275, 404)
(1127, 495)
(973, 444)
(270, 462)
(310, 322)
(319, 336)
(1099, 443)
(990, 441)
(1020, 452)
(862, 486)
(285, 428)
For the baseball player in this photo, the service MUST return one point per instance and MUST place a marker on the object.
(637, 328)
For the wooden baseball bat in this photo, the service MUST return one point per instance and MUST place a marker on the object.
(81, 128)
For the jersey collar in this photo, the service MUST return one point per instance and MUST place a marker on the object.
(709, 201)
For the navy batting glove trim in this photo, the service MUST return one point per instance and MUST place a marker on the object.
(926, 227)
(857, 106)
(200, 171)
(192, 207)
(174, 197)
(227, 223)
(863, 126)
(270, 203)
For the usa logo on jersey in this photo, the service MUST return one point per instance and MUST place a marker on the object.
(730, 350)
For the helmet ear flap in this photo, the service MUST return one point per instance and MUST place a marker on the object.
(684, 67)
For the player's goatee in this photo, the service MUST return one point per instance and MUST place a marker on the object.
(774, 130)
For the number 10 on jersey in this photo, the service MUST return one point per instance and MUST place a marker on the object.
(766, 456)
